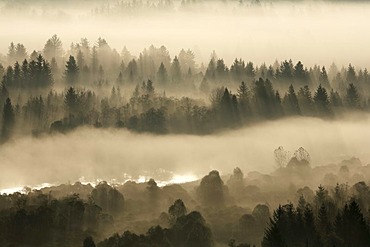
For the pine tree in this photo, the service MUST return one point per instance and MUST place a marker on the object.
(324, 226)
(11, 53)
(46, 77)
(176, 70)
(242, 91)
(17, 79)
(312, 238)
(71, 71)
(20, 52)
(8, 120)
(71, 101)
(305, 100)
(351, 226)
(291, 102)
(120, 78)
(8, 78)
(94, 62)
(335, 99)
(273, 236)
(162, 75)
(323, 78)
(300, 74)
(351, 75)
(352, 96)
(221, 72)
(321, 101)
(25, 73)
(250, 71)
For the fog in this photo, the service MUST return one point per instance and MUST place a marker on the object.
(315, 33)
(118, 155)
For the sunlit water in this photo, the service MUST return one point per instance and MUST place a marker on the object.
(176, 179)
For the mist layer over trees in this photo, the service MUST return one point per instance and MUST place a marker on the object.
(93, 85)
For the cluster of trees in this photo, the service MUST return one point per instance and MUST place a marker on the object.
(307, 225)
(98, 63)
(148, 111)
(37, 220)
(216, 213)
(29, 75)
(286, 73)
(185, 230)
(99, 87)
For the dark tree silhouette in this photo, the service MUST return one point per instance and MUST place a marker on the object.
(291, 105)
(88, 242)
(162, 75)
(211, 190)
(353, 97)
(8, 120)
(176, 210)
(71, 73)
(321, 100)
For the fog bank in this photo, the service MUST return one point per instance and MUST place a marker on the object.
(121, 155)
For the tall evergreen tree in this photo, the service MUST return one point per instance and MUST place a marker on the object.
(8, 120)
(321, 101)
(351, 75)
(11, 53)
(176, 71)
(25, 73)
(250, 71)
(94, 62)
(20, 52)
(353, 97)
(162, 75)
(17, 80)
(335, 99)
(71, 101)
(221, 73)
(351, 226)
(273, 234)
(237, 70)
(72, 71)
(305, 100)
(300, 75)
(243, 99)
(286, 72)
(291, 104)
(46, 77)
(323, 78)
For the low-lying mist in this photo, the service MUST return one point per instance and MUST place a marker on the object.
(118, 155)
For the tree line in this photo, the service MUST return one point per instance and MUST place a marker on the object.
(38, 96)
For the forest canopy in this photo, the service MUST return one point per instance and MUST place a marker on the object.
(94, 85)
(327, 206)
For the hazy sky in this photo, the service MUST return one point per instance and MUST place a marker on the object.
(312, 32)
